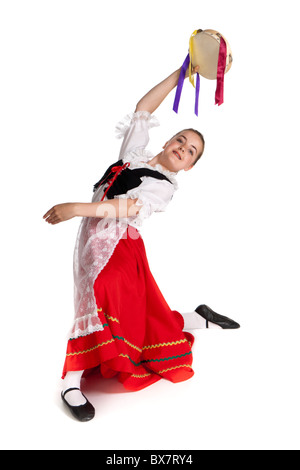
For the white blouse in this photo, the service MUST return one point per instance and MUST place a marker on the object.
(98, 238)
(153, 195)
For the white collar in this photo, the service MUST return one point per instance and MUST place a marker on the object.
(135, 158)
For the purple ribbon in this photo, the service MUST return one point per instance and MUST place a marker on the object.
(180, 86)
(181, 82)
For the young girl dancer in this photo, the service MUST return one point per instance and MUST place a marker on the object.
(123, 325)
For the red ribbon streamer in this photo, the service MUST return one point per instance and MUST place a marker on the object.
(221, 72)
(117, 170)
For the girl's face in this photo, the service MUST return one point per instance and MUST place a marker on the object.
(180, 153)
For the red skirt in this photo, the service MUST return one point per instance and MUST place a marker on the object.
(143, 339)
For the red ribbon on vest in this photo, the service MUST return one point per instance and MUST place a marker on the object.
(221, 72)
(117, 170)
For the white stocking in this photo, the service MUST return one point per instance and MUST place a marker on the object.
(194, 321)
(72, 380)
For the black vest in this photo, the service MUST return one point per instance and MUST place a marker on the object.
(127, 179)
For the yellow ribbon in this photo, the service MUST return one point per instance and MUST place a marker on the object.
(191, 55)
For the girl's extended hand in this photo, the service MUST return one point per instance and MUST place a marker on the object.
(60, 213)
(194, 70)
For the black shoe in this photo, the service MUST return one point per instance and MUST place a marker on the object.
(84, 412)
(213, 317)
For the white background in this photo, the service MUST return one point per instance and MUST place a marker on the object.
(70, 70)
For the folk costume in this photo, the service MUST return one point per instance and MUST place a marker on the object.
(123, 325)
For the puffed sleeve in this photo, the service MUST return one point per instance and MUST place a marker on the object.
(152, 195)
(134, 130)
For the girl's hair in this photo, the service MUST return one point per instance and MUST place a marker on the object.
(202, 139)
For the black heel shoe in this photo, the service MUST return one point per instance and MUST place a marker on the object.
(84, 412)
(210, 316)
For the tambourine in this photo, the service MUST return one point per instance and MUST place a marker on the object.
(211, 52)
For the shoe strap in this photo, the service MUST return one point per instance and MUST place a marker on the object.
(70, 390)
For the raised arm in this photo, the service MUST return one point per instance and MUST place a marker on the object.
(153, 99)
